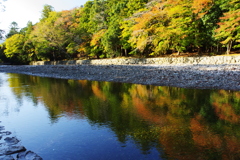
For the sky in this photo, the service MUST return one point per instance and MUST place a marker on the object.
(22, 11)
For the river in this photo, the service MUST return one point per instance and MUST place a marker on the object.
(80, 119)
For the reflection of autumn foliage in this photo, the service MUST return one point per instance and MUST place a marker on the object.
(205, 138)
(233, 147)
(140, 99)
(225, 107)
(181, 136)
(202, 136)
(97, 92)
(226, 112)
(146, 114)
(83, 83)
(158, 107)
(185, 123)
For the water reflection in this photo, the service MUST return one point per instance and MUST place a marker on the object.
(180, 123)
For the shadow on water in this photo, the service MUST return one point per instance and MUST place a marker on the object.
(180, 123)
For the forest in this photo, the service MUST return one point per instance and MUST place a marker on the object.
(119, 28)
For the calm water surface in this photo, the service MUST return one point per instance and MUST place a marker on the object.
(69, 119)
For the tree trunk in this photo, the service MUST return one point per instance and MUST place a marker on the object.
(54, 58)
(126, 53)
(199, 50)
(121, 53)
(178, 52)
(229, 46)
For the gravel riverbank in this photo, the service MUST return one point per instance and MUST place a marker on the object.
(187, 76)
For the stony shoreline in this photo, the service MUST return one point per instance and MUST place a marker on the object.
(224, 76)
(10, 149)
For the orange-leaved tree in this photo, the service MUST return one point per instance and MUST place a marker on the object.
(229, 26)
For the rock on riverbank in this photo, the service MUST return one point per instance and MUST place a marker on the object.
(187, 76)
(10, 150)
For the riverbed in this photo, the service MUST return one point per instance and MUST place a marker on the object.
(224, 76)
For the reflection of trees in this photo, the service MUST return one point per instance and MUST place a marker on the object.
(185, 123)
(224, 144)
(227, 105)
(188, 121)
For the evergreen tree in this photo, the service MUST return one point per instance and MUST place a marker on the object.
(46, 11)
(13, 29)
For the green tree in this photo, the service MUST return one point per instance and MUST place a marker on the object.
(3, 57)
(28, 46)
(98, 22)
(108, 40)
(48, 38)
(46, 11)
(229, 26)
(113, 43)
(53, 34)
(57, 37)
(1, 34)
(14, 49)
(84, 29)
(13, 29)
(209, 25)
(111, 38)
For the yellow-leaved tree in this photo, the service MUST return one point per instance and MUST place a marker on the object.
(167, 25)
(14, 48)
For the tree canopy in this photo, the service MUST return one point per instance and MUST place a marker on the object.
(143, 28)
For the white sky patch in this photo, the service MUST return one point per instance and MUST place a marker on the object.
(22, 11)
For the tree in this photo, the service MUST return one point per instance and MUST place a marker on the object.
(110, 28)
(229, 26)
(71, 21)
(48, 38)
(46, 11)
(28, 46)
(57, 37)
(13, 29)
(111, 38)
(208, 26)
(1, 34)
(68, 23)
(98, 21)
(167, 25)
(14, 49)
(84, 29)
(108, 38)
(14, 45)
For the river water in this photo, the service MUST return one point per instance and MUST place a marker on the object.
(79, 119)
